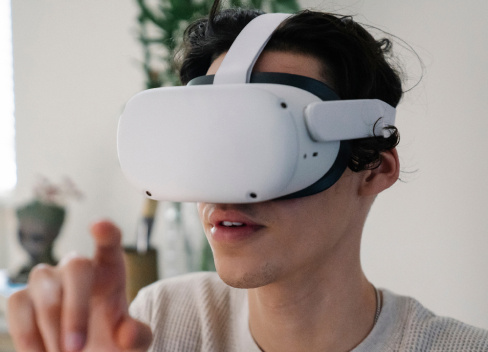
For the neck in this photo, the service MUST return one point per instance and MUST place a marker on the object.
(332, 310)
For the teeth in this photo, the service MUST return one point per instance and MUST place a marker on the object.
(231, 223)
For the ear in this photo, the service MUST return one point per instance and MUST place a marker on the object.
(383, 177)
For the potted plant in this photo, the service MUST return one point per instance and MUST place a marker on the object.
(161, 26)
(40, 221)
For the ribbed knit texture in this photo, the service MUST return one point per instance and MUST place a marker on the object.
(198, 312)
(427, 332)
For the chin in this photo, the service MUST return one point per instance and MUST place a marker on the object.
(242, 276)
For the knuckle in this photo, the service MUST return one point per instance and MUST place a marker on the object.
(48, 301)
(41, 272)
(77, 264)
(19, 307)
(51, 307)
(44, 288)
(17, 299)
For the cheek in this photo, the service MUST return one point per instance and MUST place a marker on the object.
(314, 216)
(295, 222)
(303, 212)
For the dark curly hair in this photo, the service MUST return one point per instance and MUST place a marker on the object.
(355, 64)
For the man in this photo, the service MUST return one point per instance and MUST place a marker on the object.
(289, 271)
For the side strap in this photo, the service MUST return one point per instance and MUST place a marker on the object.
(349, 119)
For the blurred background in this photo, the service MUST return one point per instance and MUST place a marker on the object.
(76, 63)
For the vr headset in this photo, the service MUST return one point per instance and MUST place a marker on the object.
(243, 137)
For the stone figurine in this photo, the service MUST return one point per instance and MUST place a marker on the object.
(39, 224)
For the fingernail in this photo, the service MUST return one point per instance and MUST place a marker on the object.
(74, 341)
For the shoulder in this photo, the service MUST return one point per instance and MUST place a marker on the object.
(425, 331)
(189, 312)
(182, 293)
(204, 281)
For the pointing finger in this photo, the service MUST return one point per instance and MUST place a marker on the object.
(109, 280)
(107, 238)
(106, 234)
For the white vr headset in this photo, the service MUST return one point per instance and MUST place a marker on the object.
(238, 137)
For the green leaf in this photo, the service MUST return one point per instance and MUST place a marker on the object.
(286, 6)
(168, 16)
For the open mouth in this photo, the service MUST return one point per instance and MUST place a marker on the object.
(232, 224)
(233, 229)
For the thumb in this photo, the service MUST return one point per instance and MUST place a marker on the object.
(133, 335)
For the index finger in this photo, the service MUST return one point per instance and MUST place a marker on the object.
(107, 238)
(109, 265)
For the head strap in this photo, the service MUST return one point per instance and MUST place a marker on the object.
(246, 48)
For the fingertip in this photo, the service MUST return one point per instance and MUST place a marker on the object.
(103, 225)
(106, 233)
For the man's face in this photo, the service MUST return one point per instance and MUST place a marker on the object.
(262, 243)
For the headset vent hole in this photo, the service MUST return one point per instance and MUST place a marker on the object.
(283, 105)
(315, 154)
(304, 156)
(253, 195)
(148, 193)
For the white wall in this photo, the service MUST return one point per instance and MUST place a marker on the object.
(75, 66)
(427, 237)
(76, 63)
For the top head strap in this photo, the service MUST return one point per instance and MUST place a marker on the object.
(239, 61)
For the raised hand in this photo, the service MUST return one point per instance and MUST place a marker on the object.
(78, 305)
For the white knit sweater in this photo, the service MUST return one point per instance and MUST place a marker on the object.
(198, 312)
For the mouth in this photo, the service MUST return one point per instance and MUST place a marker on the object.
(232, 226)
(234, 232)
